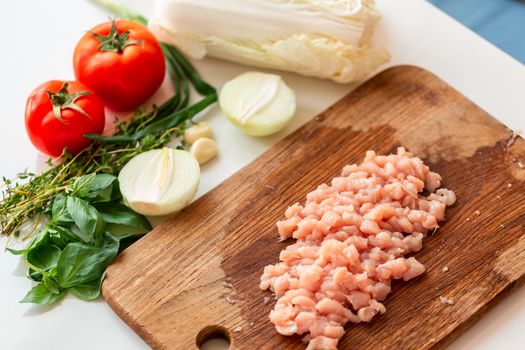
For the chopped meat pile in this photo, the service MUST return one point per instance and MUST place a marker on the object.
(353, 237)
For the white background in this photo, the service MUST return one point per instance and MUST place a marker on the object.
(38, 40)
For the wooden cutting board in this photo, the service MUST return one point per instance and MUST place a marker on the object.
(198, 274)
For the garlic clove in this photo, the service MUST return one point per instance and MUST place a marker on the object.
(204, 149)
(196, 132)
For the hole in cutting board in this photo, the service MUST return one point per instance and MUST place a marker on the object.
(213, 338)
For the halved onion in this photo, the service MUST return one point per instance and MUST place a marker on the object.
(257, 103)
(160, 182)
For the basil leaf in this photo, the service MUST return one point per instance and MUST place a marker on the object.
(104, 189)
(96, 187)
(61, 236)
(51, 284)
(35, 276)
(86, 292)
(116, 195)
(82, 185)
(44, 257)
(86, 217)
(38, 241)
(102, 182)
(80, 263)
(59, 213)
(81, 237)
(39, 294)
(89, 291)
(122, 232)
(116, 213)
(104, 195)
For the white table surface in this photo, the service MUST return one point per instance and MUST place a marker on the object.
(38, 41)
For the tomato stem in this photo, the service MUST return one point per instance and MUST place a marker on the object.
(63, 99)
(114, 42)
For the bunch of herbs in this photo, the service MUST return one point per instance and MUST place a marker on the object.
(83, 234)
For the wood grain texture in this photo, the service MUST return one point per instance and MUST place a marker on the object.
(175, 281)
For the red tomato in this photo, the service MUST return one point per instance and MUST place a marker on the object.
(59, 114)
(122, 62)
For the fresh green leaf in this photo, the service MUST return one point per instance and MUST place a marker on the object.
(104, 188)
(61, 236)
(39, 294)
(86, 217)
(116, 213)
(104, 195)
(38, 241)
(89, 291)
(44, 257)
(95, 187)
(80, 236)
(116, 195)
(82, 185)
(80, 263)
(123, 232)
(102, 181)
(59, 213)
(86, 292)
(126, 241)
(51, 284)
(34, 275)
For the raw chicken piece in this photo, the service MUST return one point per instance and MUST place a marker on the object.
(352, 240)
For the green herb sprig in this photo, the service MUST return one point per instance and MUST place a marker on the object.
(86, 223)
